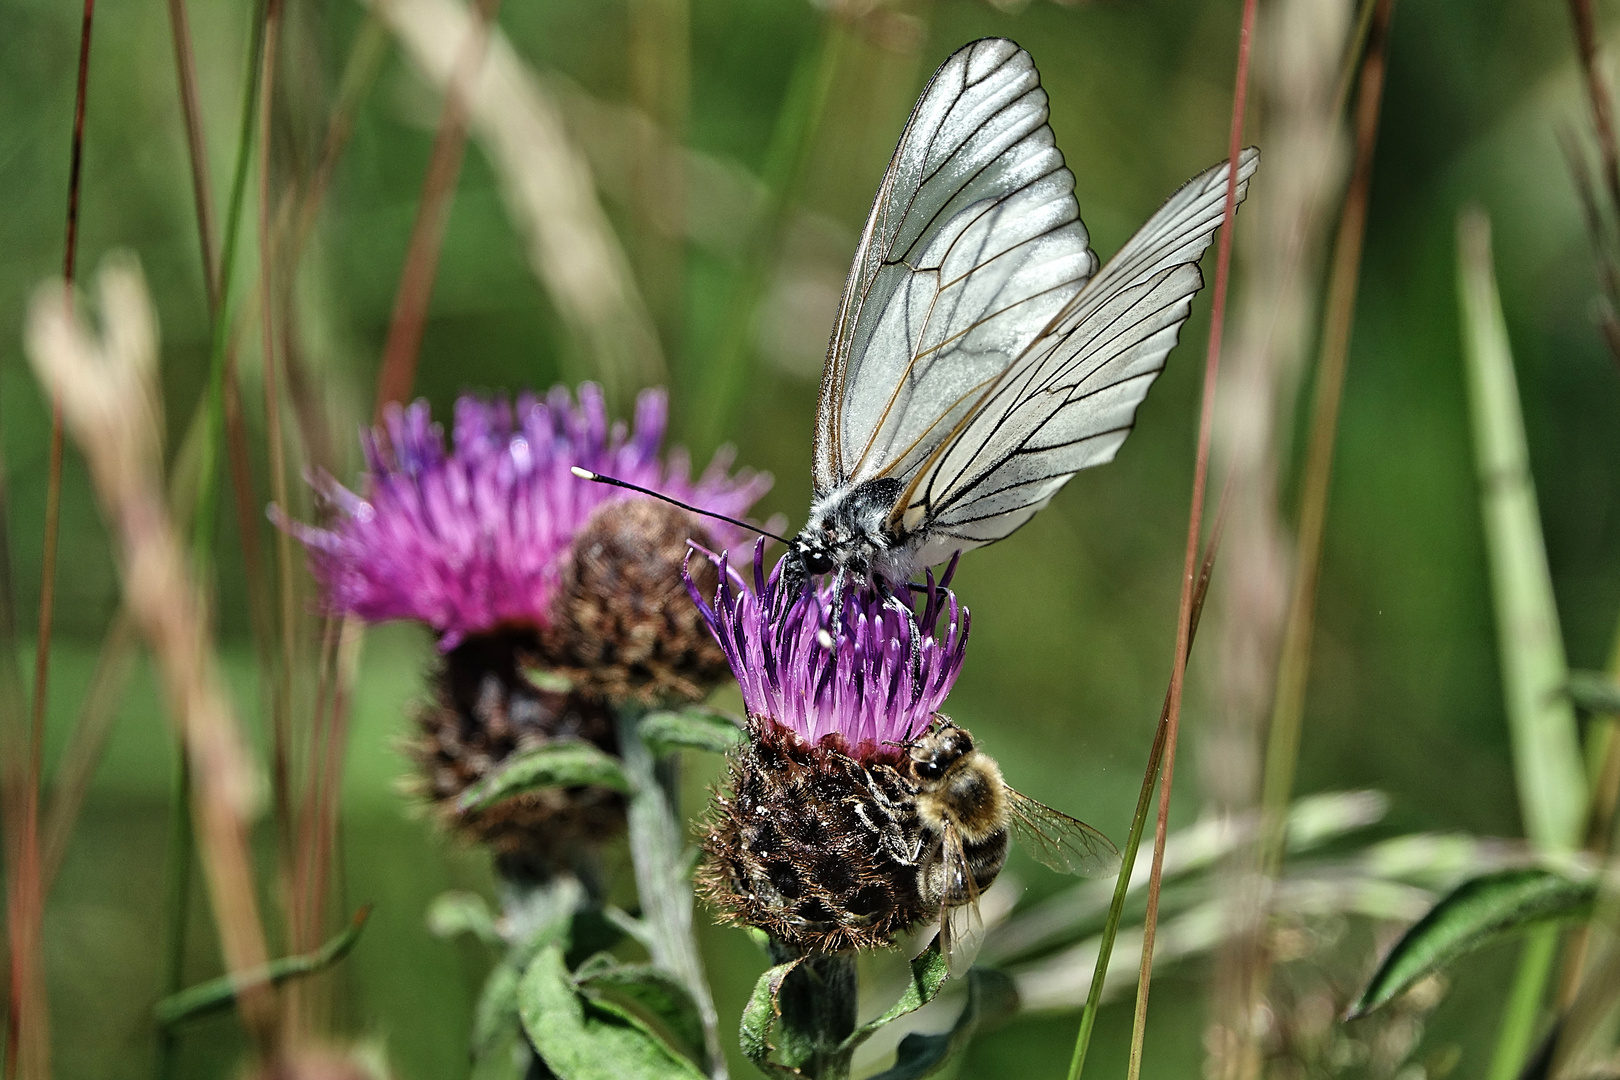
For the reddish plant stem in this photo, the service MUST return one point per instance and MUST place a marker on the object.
(1195, 516)
(196, 148)
(405, 329)
(28, 1033)
(1597, 93)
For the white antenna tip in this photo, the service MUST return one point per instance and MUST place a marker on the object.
(583, 474)
(824, 639)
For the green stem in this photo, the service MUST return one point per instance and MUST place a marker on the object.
(1144, 801)
(658, 849)
(818, 1002)
(178, 902)
(207, 488)
(181, 838)
(1518, 1026)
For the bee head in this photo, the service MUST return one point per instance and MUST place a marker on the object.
(940, 747)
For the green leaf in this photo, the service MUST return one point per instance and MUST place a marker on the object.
(991, 998)
(651, 990)
(1474, 914)
(582, 1038)
(689, 729)
(1546, 748)
(567, 763)
(1595, 692)
(459, 912)
(759, 1019)
(928, 973)
(546, 679)
(220, 993)
(496, 1014)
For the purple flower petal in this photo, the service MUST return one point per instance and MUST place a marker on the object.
(861, 688)
(468, 540)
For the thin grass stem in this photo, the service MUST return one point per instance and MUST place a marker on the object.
(1195, 515)
(1144, 800)
(204, 524)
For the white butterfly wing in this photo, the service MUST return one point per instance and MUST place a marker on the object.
(974, 245)
(1069, 401)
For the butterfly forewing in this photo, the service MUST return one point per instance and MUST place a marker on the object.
(973, 247)
(1070, 400)
(1058, 840)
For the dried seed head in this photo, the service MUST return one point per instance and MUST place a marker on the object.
(817, 848)
(485, 708)
(621, 625)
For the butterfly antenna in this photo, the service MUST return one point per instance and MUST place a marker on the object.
(596, 477)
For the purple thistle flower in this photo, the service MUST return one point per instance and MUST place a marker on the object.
(859, 687)
(471, 539)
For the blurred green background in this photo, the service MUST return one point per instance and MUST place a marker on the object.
(1073, 619)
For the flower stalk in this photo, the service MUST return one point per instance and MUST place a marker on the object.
(659, 853)
(817, 1001)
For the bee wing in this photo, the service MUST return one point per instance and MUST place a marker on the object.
(1065, 844)
(961, 929)
(1069, 400)
(974, 245)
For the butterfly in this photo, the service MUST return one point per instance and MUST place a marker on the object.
(980, 356)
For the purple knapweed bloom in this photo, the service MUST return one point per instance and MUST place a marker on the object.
(849, 673)
(470, 539)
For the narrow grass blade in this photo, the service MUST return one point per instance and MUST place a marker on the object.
(1541, 720)
(221, 993)
(1594, 692)
(1473, 915)
(1546, 753)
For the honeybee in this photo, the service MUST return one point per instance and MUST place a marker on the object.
(968, 814)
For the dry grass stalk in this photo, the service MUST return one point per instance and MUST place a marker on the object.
(1280, 251)
(548, 190)
(109, 402)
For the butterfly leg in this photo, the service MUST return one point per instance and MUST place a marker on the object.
(914, 632)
